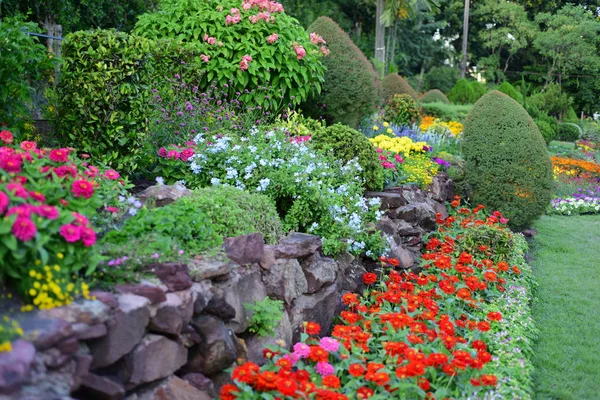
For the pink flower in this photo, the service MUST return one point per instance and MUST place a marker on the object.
(232, 20)
(325, 51)
(81, 220)
(23, 211)
(211, 40)
(272, 38)
(379, 150)
(92, 171)
(162, 152)
(88, 236)
(324, 369)
(329, 344)
(317, 39)
(234, 11)
(18, 190)
(46, 211)
(292, 357)
(503, 220)
(71, 233)
(204, 58)
(59, 155)
(300, 52)
(187, 154)
(173, 154)
(4, 200)
(6, 137)
(38, 196)
(65, 170)
(111, 209)
(398, 158)
(388, 165)
(24, 229)
(11, 163)
(112, 175)
(383, 158)
(81, 188)
(245, 62)
(28, 145)
(301, 350)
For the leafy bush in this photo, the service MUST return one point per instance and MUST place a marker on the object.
(446, 112)
(104, 96)
(442, 78)
(591, 130)
(347, 144)
(234, 212)
(479, 90)
(394, 84)
(351, 88)
(568, 132)
(462, 93)
(547, 131)
(507, 162)
(245, 47)
(510, 90)
(401, 109)
(435, 96)
(571, 116)
(266, 315)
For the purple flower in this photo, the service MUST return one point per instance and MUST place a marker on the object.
(301, 350)
(329, 344)
(324, 369)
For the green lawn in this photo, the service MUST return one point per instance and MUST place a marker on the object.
(567, 307)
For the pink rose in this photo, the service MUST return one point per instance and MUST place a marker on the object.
(300, 52)
(272, 38)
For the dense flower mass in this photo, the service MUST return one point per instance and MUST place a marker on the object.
(437, 334)
(432, 124)
(583, 201)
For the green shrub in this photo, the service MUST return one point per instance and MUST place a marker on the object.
(104, 94)
(568, 132)
(591, 130)
(510, 90)
(462, 93)
(235, 212)
(290, 64)
(507, 162)
(435, 96)
(571, 116)
(351, 88)
(266, 315)
(394, 84)
(347, 144)
(401, 109)
(442, 78)
(479, 90)
(446, 112)
(547, 131)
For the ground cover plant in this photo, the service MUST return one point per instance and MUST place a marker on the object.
(440, 333)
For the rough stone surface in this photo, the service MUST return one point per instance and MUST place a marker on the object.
(403, 255)
(442, 187)
(245, 249)
(15, 366)
(203, 294)
(153, 293)
(285, 280)
(268, 257)
(88, 312)
(68, 346)
(125, 330)
(173, 314)
(319, 307)
(155, 357)
(173, 388)
(86, 332)
(201, 383)
(99, 387)
(175, 276)
(217, 349)
(297, 245)
(388, 200)
(418, 213)
(255, 344)
(352, 281)
(319, 272)
(105, 297)
(202, 268)
(245, 286)
(163, 194)
(219, 307)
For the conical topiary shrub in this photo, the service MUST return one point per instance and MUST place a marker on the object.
(507, 163)
(462, 93)
(434, 96)
(351, 88)
(510, 90)
(394, 84)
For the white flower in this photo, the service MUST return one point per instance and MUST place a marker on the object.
(160, 180)
(231, 173)
(264, 183)
(215, 181)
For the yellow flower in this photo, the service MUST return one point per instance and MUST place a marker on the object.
(31, 273)
(32, 292)
(386, 124)
(60, 256)
(57, 268)
(5, 347)
(375, 128)
(389, 130)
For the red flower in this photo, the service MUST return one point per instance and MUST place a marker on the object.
(287, 387)
(488, 380)
(71, 233)
(266, 381)
(312, 328)
(393, 262)
(246, 373)
(81, 188)
(494, 316)
(24, 229)
(331, 381)
(227, 392)
(59, 155)
(369, 278)
(317, 354)
(483, 326)
(6, 137)
(424, 384)
(364, 393)
(356, 370)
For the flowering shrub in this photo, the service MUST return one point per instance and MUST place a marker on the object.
(429, 123)
(443, 333)
(402, 145)
(312, 193)
(401, 109)
(245, 43)
(576, 168)
(9, 330)
(48, 200)
(584, 201)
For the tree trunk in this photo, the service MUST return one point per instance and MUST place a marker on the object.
(379, 34)
(463, 64)
(392, 59)
(388, 48)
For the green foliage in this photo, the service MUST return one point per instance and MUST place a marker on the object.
(591, 130)
(266, 315)
(568, 132)
(435, 96)
(351, 88)
(275, 65)
(104, 96)
(446, 112)
(462, 93)
(509, 90)
(347, 144)
(401, 109)
(479, 90)
(571, 116)
(548, 132)
(24, 63)
(507, 162)
(235, 212)
(499, 241)
(441, 78)
(552, 101)
(394, 84)
(297, 124)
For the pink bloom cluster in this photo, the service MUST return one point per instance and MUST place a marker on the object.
(210, 40)
(300, 139)
(317, 39)
(300, 52)
(204, 57)
(388, 163)
(263, 5)
(264, 15)
(234, 17)
(272, 38)
(184, 154)
(245, 63)
(6, 137)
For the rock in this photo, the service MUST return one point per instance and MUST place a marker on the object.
(220, 379)
(155, 357)
(43, 332)
(105, 297)
(173, 314)
(56, 360)
(403, 255)
(217, 349)
(418, 213)
(85, 332)
(173, 388)
(201, 269)
(83, 363)
(125, 330)
(297, 245)
(245, 249)
(203, 294)
(98, 387)
(244, 287)
(442, 187)
(389, 200)
(256, 344)
(174, 275)
(319, 307)
(201, 383)
(68, 346)
(189, 337)
(163, 194)
(285, 280)
(530, 233)
(84, 311)
(344, 261)
(397, 227)
(440, 209)
(153, 293)
(268, 257)
(352, 281)
(319, 271)
(219, 307)
(15, 366)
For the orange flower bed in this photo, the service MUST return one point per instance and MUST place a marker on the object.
(580, 166)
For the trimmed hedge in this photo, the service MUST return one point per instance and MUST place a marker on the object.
(434, 96)
(462, 93)
(351, 88)
(546, 129)
(568, 132)
(507, 163)
(479, 90)
(442, 78)
(446, 112)
(347, 144)
(394, 84)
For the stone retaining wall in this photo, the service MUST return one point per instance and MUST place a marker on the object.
(172, 337)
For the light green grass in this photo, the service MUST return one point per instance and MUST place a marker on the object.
(567, 307)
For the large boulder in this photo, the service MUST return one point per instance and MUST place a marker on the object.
(172, 388)
(15, 366)
(297, 245)
(99, 387)
(285, 280)
(173, 314)
(175, 276)
(319, 272)
(245, 249)
(163, 195)
(319, 307)
(256, 344)
(217, 348)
